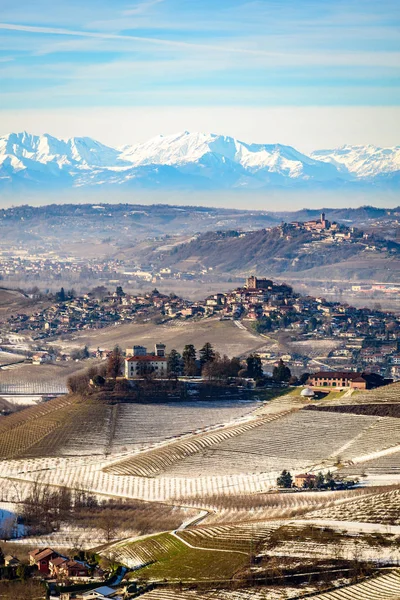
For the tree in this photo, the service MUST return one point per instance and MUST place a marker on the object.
(189, 360)
(23, 572)
(98, 380)
(115, 363)
(284, 480)
(61, 295)
(254, 366)
(207, 354)
(320, 480)
(281, 372)
(304, 378)
(263, 324)
(106, 522)
(174, 363)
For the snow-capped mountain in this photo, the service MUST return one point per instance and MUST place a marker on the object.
(188, 161)
(362, 161)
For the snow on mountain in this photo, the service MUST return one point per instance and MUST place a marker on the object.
(362, 161)
(188, 161)
(48, 149)
(184, 148)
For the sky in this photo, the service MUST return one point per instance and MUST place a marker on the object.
(310, 73)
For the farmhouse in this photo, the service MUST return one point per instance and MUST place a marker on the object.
(139, 363)
(304, 479)
(338, 379)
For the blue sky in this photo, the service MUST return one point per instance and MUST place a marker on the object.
(76, 61)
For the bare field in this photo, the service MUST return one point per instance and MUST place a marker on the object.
(225, 336)
(12, 301)
(46, 373)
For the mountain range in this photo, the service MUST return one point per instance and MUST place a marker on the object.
(189, 161)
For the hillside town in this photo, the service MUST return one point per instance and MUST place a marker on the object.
(361, 339)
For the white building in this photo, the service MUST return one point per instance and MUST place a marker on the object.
(139, 363)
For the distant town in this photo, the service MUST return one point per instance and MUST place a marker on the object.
(361, 339)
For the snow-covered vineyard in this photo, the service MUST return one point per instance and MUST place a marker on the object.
(218, 464)
(383, 587)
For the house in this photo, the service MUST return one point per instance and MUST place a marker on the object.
(41, 558)
(139, 363)
(338, 379)
(304, 479)
(346, 380)
(11, 561)
(65, 567)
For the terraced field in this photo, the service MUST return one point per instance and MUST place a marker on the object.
(296, 441)
(254, 593)
(383, 508)
(71, 426)
(388, 464)
(241, 537)
(387, 393)
(155, 462)
(165, 557)
(384, 587)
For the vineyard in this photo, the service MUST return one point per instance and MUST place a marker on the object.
(254, 593)
(215, 464)
(166, 557)
(374, 508)
(155, 462)
(386, 394)
(279, 444)
(384, 587)
(71, 425)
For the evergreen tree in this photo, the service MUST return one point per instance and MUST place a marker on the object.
(254, 366)
(284, 480)
(207, 354)
(189, 360)
(320, 480)
(174, 363)
(281, 372)
(61, 295)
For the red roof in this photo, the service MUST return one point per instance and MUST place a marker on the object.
(336, 375)
(40, 554)
(146, 358)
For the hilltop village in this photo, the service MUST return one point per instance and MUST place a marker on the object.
(361, 339)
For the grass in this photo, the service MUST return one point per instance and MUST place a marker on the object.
(175, 561)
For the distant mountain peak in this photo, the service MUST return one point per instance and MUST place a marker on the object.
(190, 160)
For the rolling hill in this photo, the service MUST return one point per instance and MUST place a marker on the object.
(282, 250)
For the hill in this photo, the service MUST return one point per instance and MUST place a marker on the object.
(279, 250)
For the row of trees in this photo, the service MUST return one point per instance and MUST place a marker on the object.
(206, 362)
(211, 365)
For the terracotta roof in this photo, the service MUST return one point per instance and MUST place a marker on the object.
(39, 554)
(147, 358)
(336, 375)
(58, 561)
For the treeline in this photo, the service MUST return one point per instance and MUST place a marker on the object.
(320, 481)
(206, 363)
